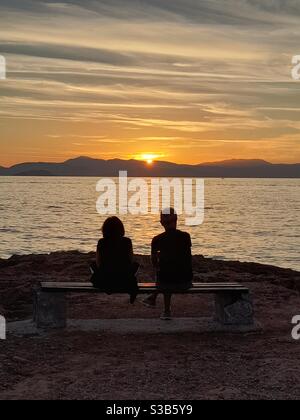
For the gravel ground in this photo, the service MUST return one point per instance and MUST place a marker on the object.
(185, 365)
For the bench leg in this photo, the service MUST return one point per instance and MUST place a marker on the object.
(234, 309)
(49, 309)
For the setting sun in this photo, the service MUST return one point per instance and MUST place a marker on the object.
(149, 158)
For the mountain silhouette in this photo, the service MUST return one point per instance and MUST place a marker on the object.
(2, 170)
(85, 166)
(238, 163)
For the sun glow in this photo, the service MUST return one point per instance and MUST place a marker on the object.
(149, 158)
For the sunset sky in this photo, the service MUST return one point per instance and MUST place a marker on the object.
(179, 80)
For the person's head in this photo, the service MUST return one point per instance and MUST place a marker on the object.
(113, 228)
(168, 219)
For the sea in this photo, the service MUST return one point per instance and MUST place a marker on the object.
(253, 220)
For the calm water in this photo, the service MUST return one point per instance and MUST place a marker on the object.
(247, 220)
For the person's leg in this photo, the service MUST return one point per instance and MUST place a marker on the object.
(134, 289)
(167, 300)
(150, 300)
(167, 312)
(95, 279)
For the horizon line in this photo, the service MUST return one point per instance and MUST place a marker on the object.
(154, 161)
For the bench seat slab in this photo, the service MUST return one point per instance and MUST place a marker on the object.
(232, 301)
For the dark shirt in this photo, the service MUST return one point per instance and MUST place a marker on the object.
(115, 255)
(116, 273)
(174, 257)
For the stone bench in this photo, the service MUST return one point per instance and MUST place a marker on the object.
(232, 301)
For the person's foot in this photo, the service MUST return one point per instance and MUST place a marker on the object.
(166, 316)
(149, 302)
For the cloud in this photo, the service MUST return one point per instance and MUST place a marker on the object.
(204, 11)
(66, 52)
(152, 70)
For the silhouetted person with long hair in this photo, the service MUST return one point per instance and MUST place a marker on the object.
(115, 270)
(172, 260)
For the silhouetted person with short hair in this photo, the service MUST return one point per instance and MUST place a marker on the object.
(172, 260)
(115, 270)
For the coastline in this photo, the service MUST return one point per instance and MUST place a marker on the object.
(19, 274)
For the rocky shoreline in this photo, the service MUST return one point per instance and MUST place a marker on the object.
(19, 274)
(127, 365)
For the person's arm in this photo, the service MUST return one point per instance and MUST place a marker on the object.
(130, 251)
(190, 245)
(98, 259)
(154, 254)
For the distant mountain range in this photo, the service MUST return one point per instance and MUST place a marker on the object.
(84, 166)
